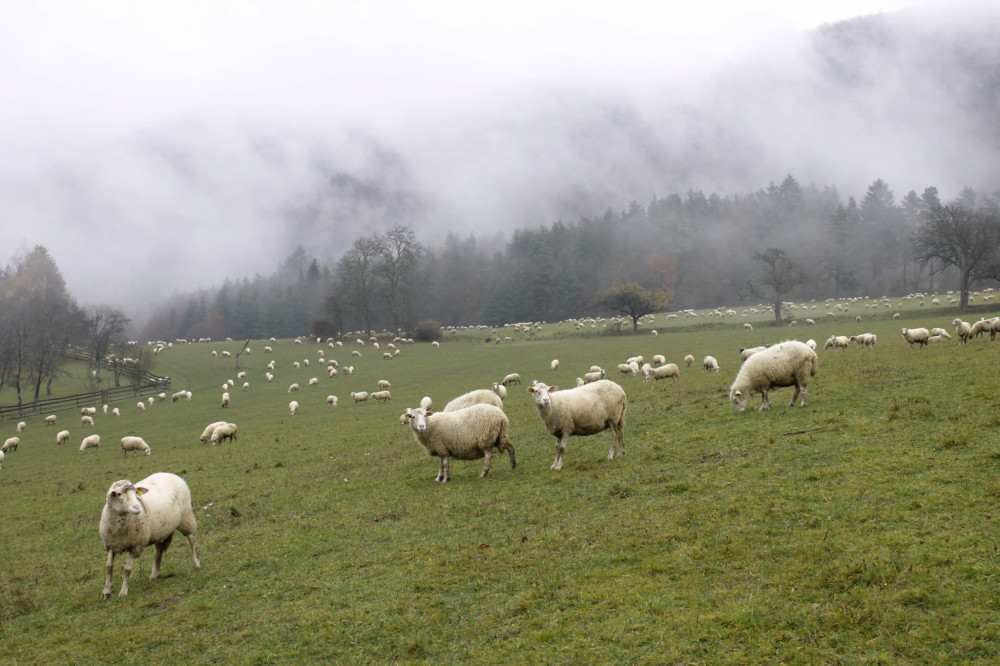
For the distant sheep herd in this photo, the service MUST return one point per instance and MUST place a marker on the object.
(471, 426)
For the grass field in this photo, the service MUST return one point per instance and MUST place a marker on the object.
(859, 529)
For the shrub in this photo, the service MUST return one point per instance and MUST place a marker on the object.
(427, 331)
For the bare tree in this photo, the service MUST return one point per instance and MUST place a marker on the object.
(106, 325)
(399, 252)
(954, 235)
(778, 276)
(356, 277)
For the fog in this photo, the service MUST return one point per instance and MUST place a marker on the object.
(156, 150)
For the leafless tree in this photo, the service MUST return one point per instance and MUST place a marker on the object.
(105, 326)
(778, 276)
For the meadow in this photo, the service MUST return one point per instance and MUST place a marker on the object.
(861, 528)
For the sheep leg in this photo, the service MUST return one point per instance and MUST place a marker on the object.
(109, 578)
(443, 474)
(160, 549)
(127, 573)
(510, 450)
(560, 450)
(765, 404)
(804, 389)
(795, 396)
(487, 457)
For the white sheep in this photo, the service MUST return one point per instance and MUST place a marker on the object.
(381, 396)
(293, 407)
(147, 513)
(466, 434)
(135, 445)
(591, 377)
(225, 400)
(659, 359)
(512, 378)
(87, 420)
(981, 327)
(293, 388)
(115, 411)
(662, 372)
(151, 401)
(865, 339)
(963, 330)
(11, 444)
(88, 411)
(62, 436)
(209, 429)
(688, 360)
(105, 409)
(710, 364)
(626, 369)
(917, 335)
(141, 406)
(747, 352)
(941, 333)
(384, 384)
(90, 442)
(749, 327)
(331, 400)
(50, 419)
(837, 342)
(477, 397)
(314, 381)
(21, 426)
(224, 432)
(584, 410)
(554, 364)
(359, 396)
(499, 389)
(425, 402)
(789, 363)
(246, 386)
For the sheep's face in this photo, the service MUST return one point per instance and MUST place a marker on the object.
(418, 419)
(123, 497)
(738, 399)
(540, 393)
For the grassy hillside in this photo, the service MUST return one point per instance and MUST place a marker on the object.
(861, 528)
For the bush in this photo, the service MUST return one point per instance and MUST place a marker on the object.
(427, 331)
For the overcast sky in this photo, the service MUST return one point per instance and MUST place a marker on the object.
(82, 81)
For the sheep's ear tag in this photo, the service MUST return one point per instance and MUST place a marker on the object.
(139, 491)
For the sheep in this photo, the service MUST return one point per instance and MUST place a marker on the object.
(105, 409)
(90, 442)
(147, 513)
(981, 327)
(499, 389)
(477, 397)
(331, 400)
(940, 332)
(688, 360)
(584, 410)
(962, 329)
(293, 388)
(116, 412)
(387, 355)
(22, 425)
(662, 372)
(359, 396)
(425, 402)
(747, 352)
(50, 419)
(151, 401)
(226, 354)
(225, 400)
(223, 432)
(865, 339)
(789, 363)
(710, 364)
(591, 377)
(660, 359)
(141, 406)
(381, 396)
(314, 381)
(161, 396)
(837, 342)
(87, 420)
(466, 434)
(625, 369)
(209, 429)
(88, 411)
(554, 364)
(246, 386)
(384, 384)
(134, 444)
(11, 444)
(512, 378)
(749, 327)
(811, 344)
(917, 335)
(1, 459)
(293, 407)
(62, 436)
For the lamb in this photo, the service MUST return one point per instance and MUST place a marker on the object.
(360, 396)
(466, 434)
(917, 335)
(147, 513)
(592, 377)
(21, 426)
(512, 378)
(790, 363)
(134, 444)
(224, 432)
(499, 389)
(225, 400)
(87, 420)
(381, 396)
(293, 407)
(837, 342)
(662, 372)
(710, 364)
(293, 387)
(962, 328)
(477, 397)
(689, 359)
(90, 442)
(50, 419)
(11, 444)
(584, 410)
(62, 436)
(331, 400)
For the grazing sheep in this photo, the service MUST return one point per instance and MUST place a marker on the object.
(314, 381)
(387, 355)
(584, 410)
(151, 401)
(789, 363)
(90, 442)
(115, 412)
(894, 316)
(135, 445)
(688, 360)
(747, 352)
(384, 384)
(660, 359)
(749, 327)
(512, 378)
(293, 387)
(87, 420)
(331, 400)
(837, 342)
(62, 436)
(105, 409)
(88, 411)
(141, 406)
(477, 397)
(811, 344)
(710, 364)
(225, 400)
(626, 369)
(499, 389)
(591, 377)
(224, 432)
(50, 419)
(22, 425)
(425, 402)
(11, 444)
(917, 335)
(466, 434)
(865, 339)
(209, 429)
(359, 396)
(662, 372)
(381, 396)
(149, 512)
(981, 327)
(554, 364)
(246, 386)
(293, 407)
(962, 329)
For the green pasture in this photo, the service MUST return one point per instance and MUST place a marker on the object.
(859, 529)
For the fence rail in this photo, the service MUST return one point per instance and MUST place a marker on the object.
(151, 384)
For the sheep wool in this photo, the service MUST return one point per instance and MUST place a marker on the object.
(583, 410)
(135, 445)
(789, 363)
(465, 434)
(477, 397)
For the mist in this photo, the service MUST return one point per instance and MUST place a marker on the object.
(211, 160)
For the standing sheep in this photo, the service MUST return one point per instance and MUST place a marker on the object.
(499, 389)
(477, 397)
(50, 419)
(689, 359)
(591, 377)
(710, 364)
(359, 396)
(62, 436)
(662, 372)
(209, 429)
(225, 400)
(90, 442)
(584, 410)
(382, 396)
(917, 335)
(512, 378)
(466, 434)
(554, 364)
(789, 363)
(293, 407)
(11, 444)
(224, 432)
(22, 425)
(147, 513)
(87, 420)
(134, 444)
